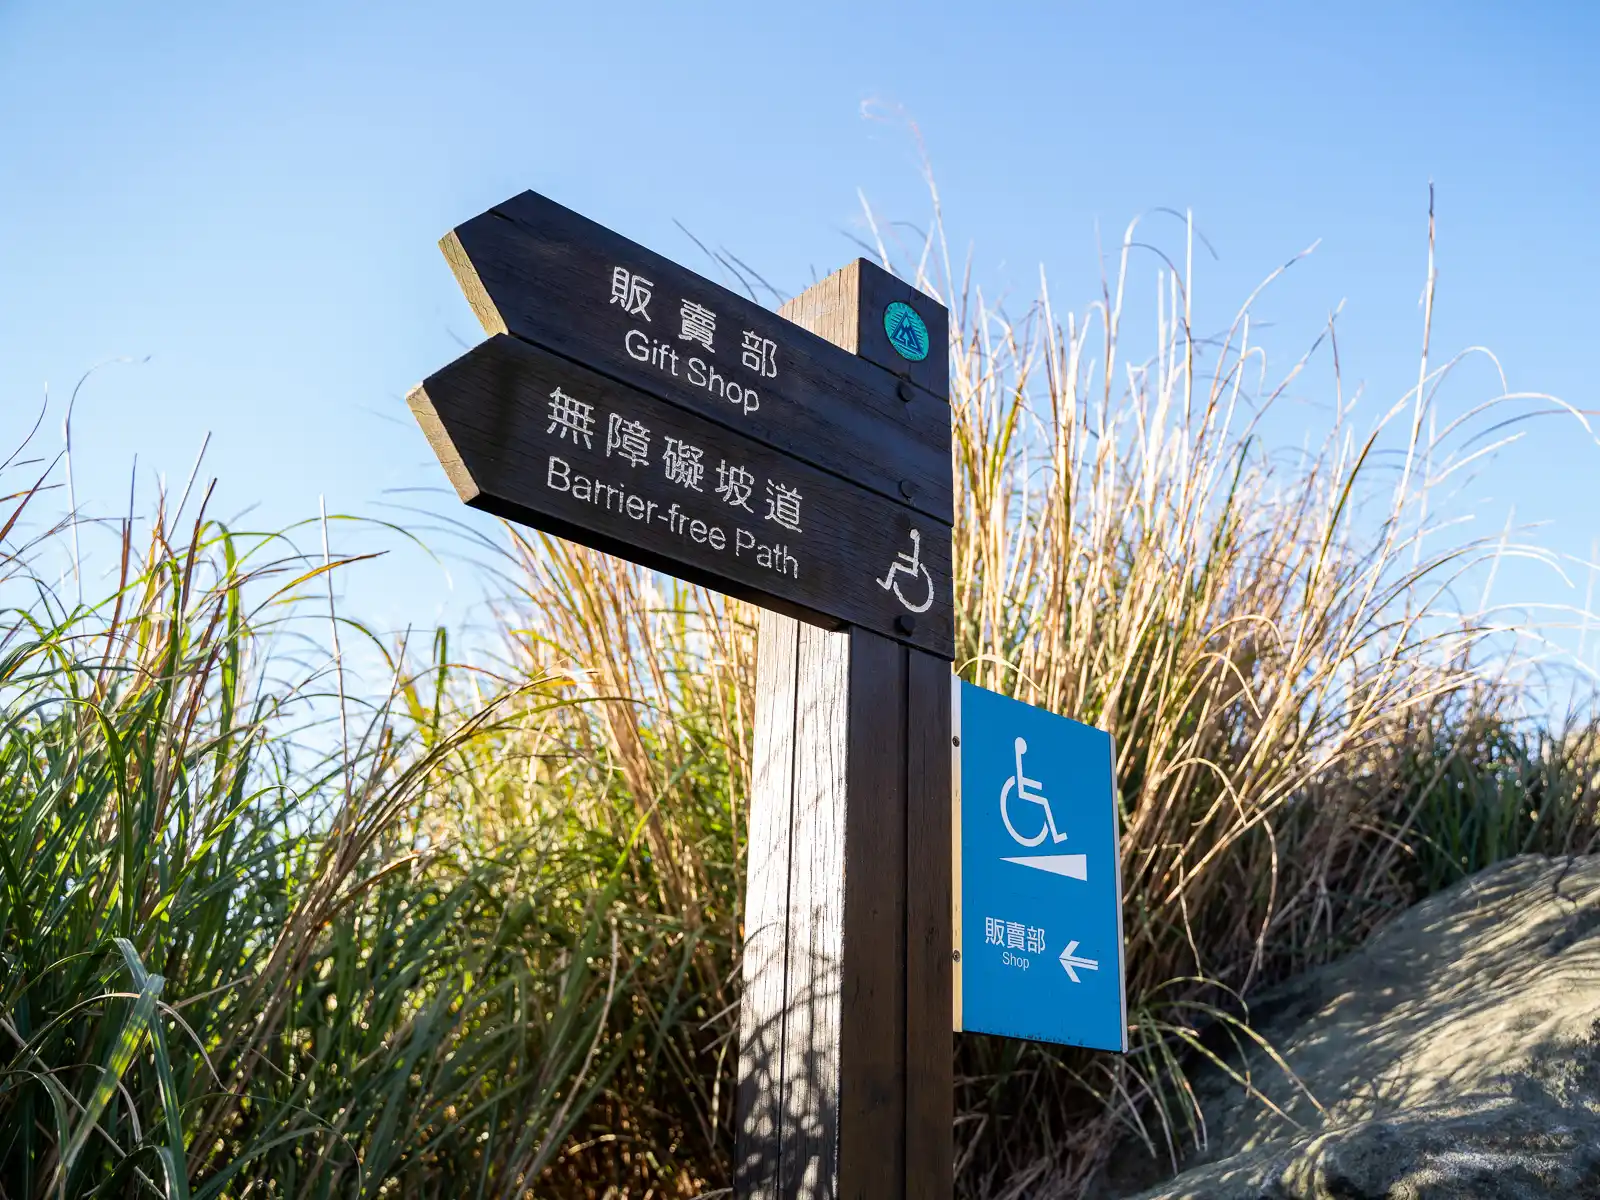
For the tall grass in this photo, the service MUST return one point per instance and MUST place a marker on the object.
(665, 675)
(233, 963)
(1312, 730)
(1277, 645)
(475, 932)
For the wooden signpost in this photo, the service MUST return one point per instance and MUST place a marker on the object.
(800, 461)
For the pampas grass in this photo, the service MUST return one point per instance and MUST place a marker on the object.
(475, 931)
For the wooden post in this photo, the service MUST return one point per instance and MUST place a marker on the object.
(846, 1086)
(845, 1058)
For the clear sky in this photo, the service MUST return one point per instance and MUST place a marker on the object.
(251, 195)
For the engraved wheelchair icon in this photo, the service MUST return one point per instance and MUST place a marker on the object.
(1027, 789)
(912, 565)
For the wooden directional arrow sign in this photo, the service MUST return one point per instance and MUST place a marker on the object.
(546, 275)
(629, 404)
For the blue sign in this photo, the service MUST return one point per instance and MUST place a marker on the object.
(1038, 884)
(907, 331)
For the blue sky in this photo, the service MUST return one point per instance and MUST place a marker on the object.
(251, 197)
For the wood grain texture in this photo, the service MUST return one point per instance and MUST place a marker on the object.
(766, 917)
(866, 1047)
(828, 308)
(543, 273)
(872, 1093)
(930, 1046)
(488, 417)
(790, 1013)
(957, 1022)
(816, 915)
(847, 308)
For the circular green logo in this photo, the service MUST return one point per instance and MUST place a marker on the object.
(908, 332)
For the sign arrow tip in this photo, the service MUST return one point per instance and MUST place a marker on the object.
(1069, 961)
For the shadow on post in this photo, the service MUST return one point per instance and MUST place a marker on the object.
(788, 1100)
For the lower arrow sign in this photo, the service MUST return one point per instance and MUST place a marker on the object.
(1069, 960)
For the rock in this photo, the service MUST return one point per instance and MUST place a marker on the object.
(1455, 1055)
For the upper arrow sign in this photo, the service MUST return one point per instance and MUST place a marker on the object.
(873, 412)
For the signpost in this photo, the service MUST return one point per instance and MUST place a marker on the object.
(627, 403)
(802, 461)
(1038, 876)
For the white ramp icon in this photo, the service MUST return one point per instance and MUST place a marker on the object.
(1073, 866)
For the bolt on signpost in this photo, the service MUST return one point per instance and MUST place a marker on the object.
(800, 461)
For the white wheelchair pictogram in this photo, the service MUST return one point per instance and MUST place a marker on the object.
(1027, 789)
(912, 565)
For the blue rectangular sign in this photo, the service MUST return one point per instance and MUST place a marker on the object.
(1038, 879)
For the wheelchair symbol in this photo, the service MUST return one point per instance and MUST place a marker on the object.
(909, 564)
(1027, 789)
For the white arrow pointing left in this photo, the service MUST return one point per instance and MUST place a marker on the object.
(1069, 960)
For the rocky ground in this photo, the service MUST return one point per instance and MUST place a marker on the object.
(1455, 1055)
